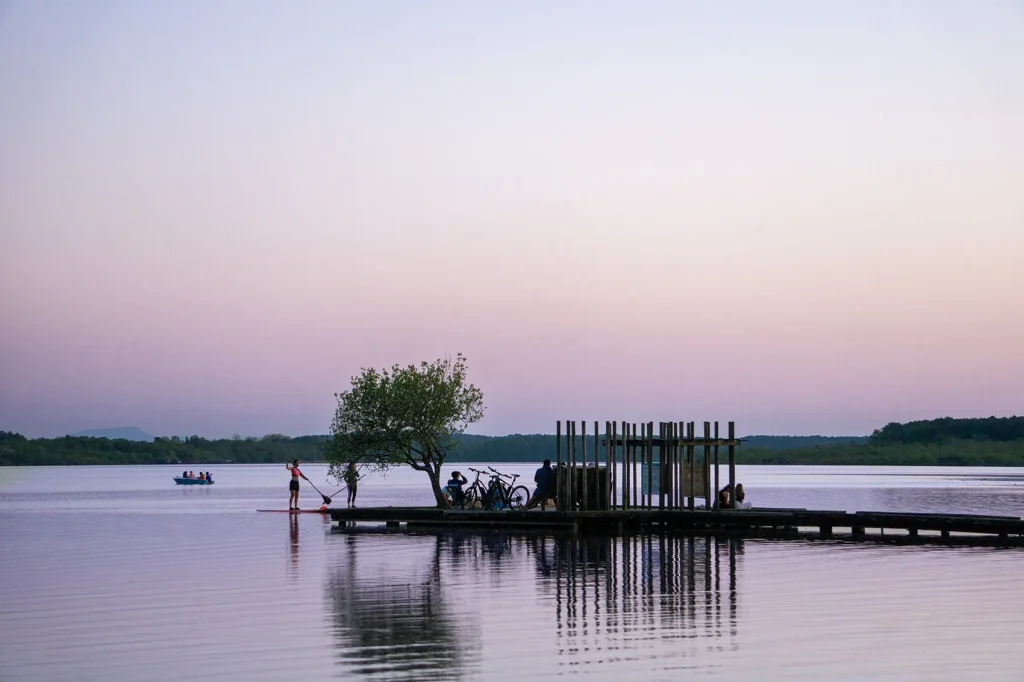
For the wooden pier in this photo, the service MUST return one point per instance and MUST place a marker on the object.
(768, 523)
(646, 481)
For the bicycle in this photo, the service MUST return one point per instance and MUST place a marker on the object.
(502, 493)
(476, 492)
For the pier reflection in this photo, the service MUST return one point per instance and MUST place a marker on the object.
(632, 592)
(422, 604)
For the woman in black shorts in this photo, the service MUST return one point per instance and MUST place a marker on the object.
(293, 487)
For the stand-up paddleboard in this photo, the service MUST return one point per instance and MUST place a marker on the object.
(296, 511)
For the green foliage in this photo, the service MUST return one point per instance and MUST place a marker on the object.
(16, 450)
(404, 416)
(1000, 429)
(947, 453)
(797, 442)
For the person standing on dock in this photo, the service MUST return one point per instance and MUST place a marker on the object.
(293, 487)
(545, 480)
(351, 477)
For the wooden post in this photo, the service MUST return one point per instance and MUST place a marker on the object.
(609, 462)
(583, 461)
(613, 480)
(597, 465)
(732, 465)
(643, 459)
(680, 459)
(661, 465)
(677, 480)
(626, 466)
(635, 498)
(670, 428)
(673, 449)
(558, 467)
(717, 482)
(650, 463)
(681, 463)
(707, 453)
(666, 463)
(571, 503)
(691, 455)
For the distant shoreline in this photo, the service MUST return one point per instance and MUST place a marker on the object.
(877, 450)
(495, 450)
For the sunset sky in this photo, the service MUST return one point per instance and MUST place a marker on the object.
(806, 217)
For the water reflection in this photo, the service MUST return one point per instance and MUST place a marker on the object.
(630, 593)
(392, 618)
(416, 605)
(293, 546)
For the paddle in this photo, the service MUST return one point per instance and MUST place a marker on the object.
(327, 500)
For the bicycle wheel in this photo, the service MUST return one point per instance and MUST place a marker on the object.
(471, 498)
(519, 496)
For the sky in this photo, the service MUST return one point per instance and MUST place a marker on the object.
(804, 217)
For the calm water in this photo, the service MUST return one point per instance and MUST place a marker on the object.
(115, 573)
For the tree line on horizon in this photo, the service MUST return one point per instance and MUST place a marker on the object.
(990, 441)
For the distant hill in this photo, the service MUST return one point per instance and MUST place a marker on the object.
(115, 433)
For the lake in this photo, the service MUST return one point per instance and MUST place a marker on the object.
(115, 573)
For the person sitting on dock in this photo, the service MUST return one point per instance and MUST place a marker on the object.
(455, 489)
(741, 498)
(545, 490)
(724, 499)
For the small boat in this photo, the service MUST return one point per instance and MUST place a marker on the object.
(192, 481)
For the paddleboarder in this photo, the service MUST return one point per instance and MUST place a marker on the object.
(293, 487)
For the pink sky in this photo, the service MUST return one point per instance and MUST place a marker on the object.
(805, 219)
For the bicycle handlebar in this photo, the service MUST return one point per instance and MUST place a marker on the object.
(501, 475)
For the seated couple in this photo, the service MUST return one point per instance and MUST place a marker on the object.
(725, 498)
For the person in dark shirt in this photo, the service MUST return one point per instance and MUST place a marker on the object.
(455, 489)
(545, 490)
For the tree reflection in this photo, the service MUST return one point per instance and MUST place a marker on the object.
(391, 624)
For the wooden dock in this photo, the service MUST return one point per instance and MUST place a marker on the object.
(647, 480)
(768, 523)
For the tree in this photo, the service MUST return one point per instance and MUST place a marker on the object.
(408, 415)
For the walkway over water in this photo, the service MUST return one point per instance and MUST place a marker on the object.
(788, 523)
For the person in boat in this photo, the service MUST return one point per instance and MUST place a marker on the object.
(545, 490)
(202, 476)
(191, 474)
(351, 477)
(209, 478)
(184, 474)
(741, 498)
(293, 486)
(455, 484)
